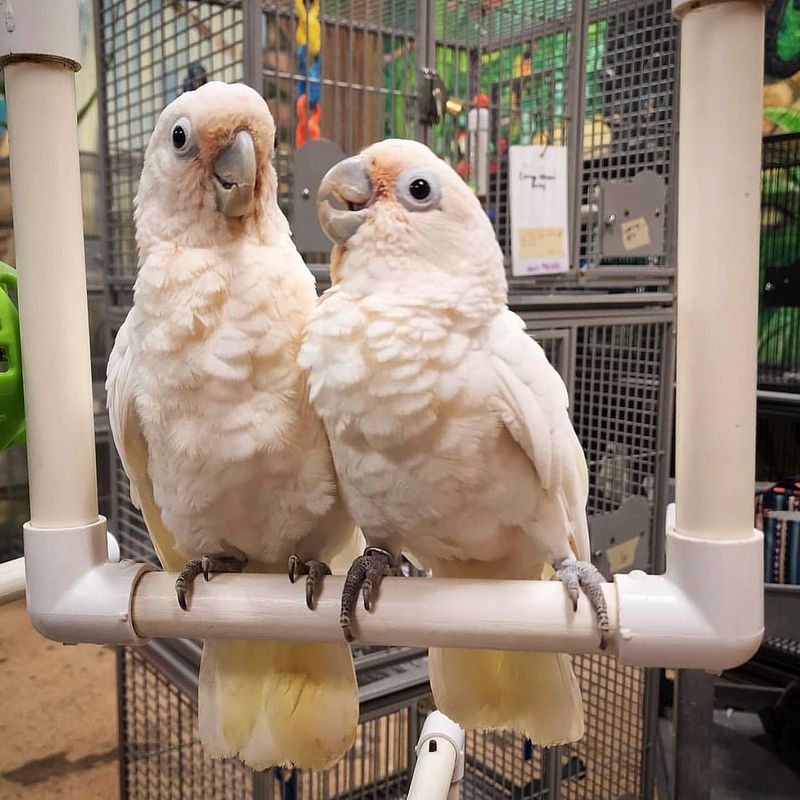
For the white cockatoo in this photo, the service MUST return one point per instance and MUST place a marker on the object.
(209, 411)
(449, 428)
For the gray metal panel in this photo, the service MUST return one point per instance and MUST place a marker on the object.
(310, 163)
(632, 216)
(782, 610)
(619, 538)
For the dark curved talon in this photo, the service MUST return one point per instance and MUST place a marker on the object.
(296, 566)
(186, 579)
(205, 566)
(577, 575)
(365, 576)
(314, 572)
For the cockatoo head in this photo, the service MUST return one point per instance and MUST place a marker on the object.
(398, 211)
(207, 173)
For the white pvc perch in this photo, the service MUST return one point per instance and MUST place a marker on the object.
(705, 612)
(12, 580)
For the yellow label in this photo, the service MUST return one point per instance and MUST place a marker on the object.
(635, 234)
(621, 556)
(541, 242)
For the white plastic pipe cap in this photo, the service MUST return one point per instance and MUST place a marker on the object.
(46, 29)
(440, 726)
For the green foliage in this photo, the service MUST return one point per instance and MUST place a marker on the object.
(778, 342)
(786, 118)
(788, 40)
(87, 106)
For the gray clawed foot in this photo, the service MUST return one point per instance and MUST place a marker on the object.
(205, 566)
(314, 572)
(365, 576)
(577, 575)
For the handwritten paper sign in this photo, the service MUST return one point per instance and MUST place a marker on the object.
(635, 234)
(538, 199)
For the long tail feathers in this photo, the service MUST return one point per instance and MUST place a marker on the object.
(535, 694)
(277, 703)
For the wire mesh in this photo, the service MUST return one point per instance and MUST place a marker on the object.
(518, 59)
(779, 275)
(522, 61)
(150, 53)
(520, 56)
(630, 97)
(617, 374)
(161, 756)
(14, 506)
(513, 58)
(362, 85)
(618, 397)
(609, 757)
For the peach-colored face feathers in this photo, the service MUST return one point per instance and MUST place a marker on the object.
(216, 123)
(217, 111)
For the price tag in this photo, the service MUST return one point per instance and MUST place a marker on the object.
(538, 204)
(635, 234)
(622, 556)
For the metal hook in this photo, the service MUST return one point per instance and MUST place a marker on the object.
(546, 144)
(538, 125)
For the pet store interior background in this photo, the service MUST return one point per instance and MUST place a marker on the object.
(599, 76)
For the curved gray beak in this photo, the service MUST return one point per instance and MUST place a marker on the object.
(349, 183)
(235, 176)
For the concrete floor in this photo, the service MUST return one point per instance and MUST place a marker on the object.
(742, 769)
(58, 716)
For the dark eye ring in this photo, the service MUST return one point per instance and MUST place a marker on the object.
(419, 189)
(178, 137)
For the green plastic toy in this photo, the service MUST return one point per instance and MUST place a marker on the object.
(12, 403)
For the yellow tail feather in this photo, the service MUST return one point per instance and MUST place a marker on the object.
(535, 694)
(277, 703)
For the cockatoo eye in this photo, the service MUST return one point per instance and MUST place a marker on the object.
(182, 135)
(419, 190)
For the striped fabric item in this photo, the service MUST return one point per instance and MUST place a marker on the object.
(777, 514)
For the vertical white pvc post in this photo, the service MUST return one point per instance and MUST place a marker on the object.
(73, 593)
(712, 592)
(40, 50)
(722, 63)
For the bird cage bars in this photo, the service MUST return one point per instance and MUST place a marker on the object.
(161, 756)
(598, 77)
(693, 615)
(779, 279)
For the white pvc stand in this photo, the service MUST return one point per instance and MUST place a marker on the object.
(706, 611)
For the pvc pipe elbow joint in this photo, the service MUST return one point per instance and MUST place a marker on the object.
(74, 594)
(706, 611)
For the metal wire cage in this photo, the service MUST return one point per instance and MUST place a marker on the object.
(601, 74)
(162, 757)
(599, 77)
(623, 369)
